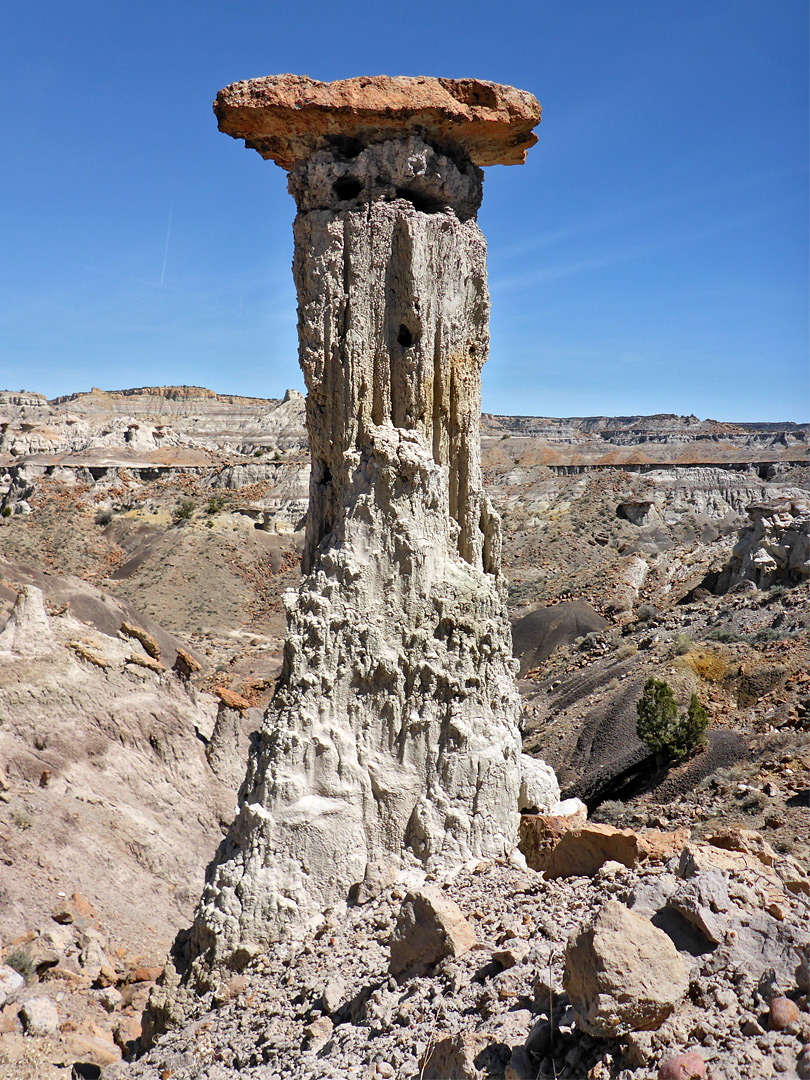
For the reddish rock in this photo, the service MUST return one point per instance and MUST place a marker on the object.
(185, 664)
(287, 118)
(82, 907)
(126, 1032)
(231, 699)
(142, 973)
(580, 852)
(782, 1013)
(151, 647)
(658, 846)
(540, 833)
(689, 1066)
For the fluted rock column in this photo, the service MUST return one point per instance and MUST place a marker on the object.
(393, 735)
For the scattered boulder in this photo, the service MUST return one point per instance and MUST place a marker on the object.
(540, 833)
(429, 927)
(622, 973)
(333, 994)
(126, 1032)
(580, 852)
(317, 1034)
(151, 647)
(539, 791)
(464, 1056)
(512, 954)
(782, 1013)
(109, 998)
(11, 982)
(39, 1016)
(690, 1066)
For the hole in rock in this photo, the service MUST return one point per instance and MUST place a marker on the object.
(347, 146)
(683, 935)
(405, 337)
(420, 201)
(85, 1070)
(347, 187)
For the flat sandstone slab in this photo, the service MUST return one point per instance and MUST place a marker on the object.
(287, 118)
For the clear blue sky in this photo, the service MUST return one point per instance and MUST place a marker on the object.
(651, 256)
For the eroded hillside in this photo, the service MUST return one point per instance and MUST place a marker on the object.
(181, 512)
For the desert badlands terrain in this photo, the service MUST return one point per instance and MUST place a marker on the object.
(319, 716)
(162, 527)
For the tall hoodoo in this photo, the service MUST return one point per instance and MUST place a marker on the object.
(393, 735)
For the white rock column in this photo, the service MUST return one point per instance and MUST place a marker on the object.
(393, 735)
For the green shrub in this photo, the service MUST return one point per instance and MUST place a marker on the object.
(682, 644)
(6, 511)
(215, 504)
(659, 725)
(22, 961)
(184, 509)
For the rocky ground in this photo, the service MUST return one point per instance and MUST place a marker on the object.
(180, 512)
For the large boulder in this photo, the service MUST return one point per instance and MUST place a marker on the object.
(540, 833)
(429, 927)
(622, 973)
(580, 852)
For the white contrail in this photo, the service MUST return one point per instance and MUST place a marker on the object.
(166, 250)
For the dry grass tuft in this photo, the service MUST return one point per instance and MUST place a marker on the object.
(708, 664)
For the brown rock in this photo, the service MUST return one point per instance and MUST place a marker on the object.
(231, 699)
(512, 954)
(93, 1049)
(86, 653)
(185, 664)
(151, 647)
(429, 927)
(540, 833)
(317, 1034)
(146, 662)
(580, 852)
(658, 846)
(745, 840)
(464, 1056)
(689, 1066)
(126, 1032)
(803, 1063)
(287, 118)
(142, 973)
(622, 973)
(82, 907)
(782, 1013)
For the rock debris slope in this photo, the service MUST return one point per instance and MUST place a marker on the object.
(393, 736)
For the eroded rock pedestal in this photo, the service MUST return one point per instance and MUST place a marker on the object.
(393, 734)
